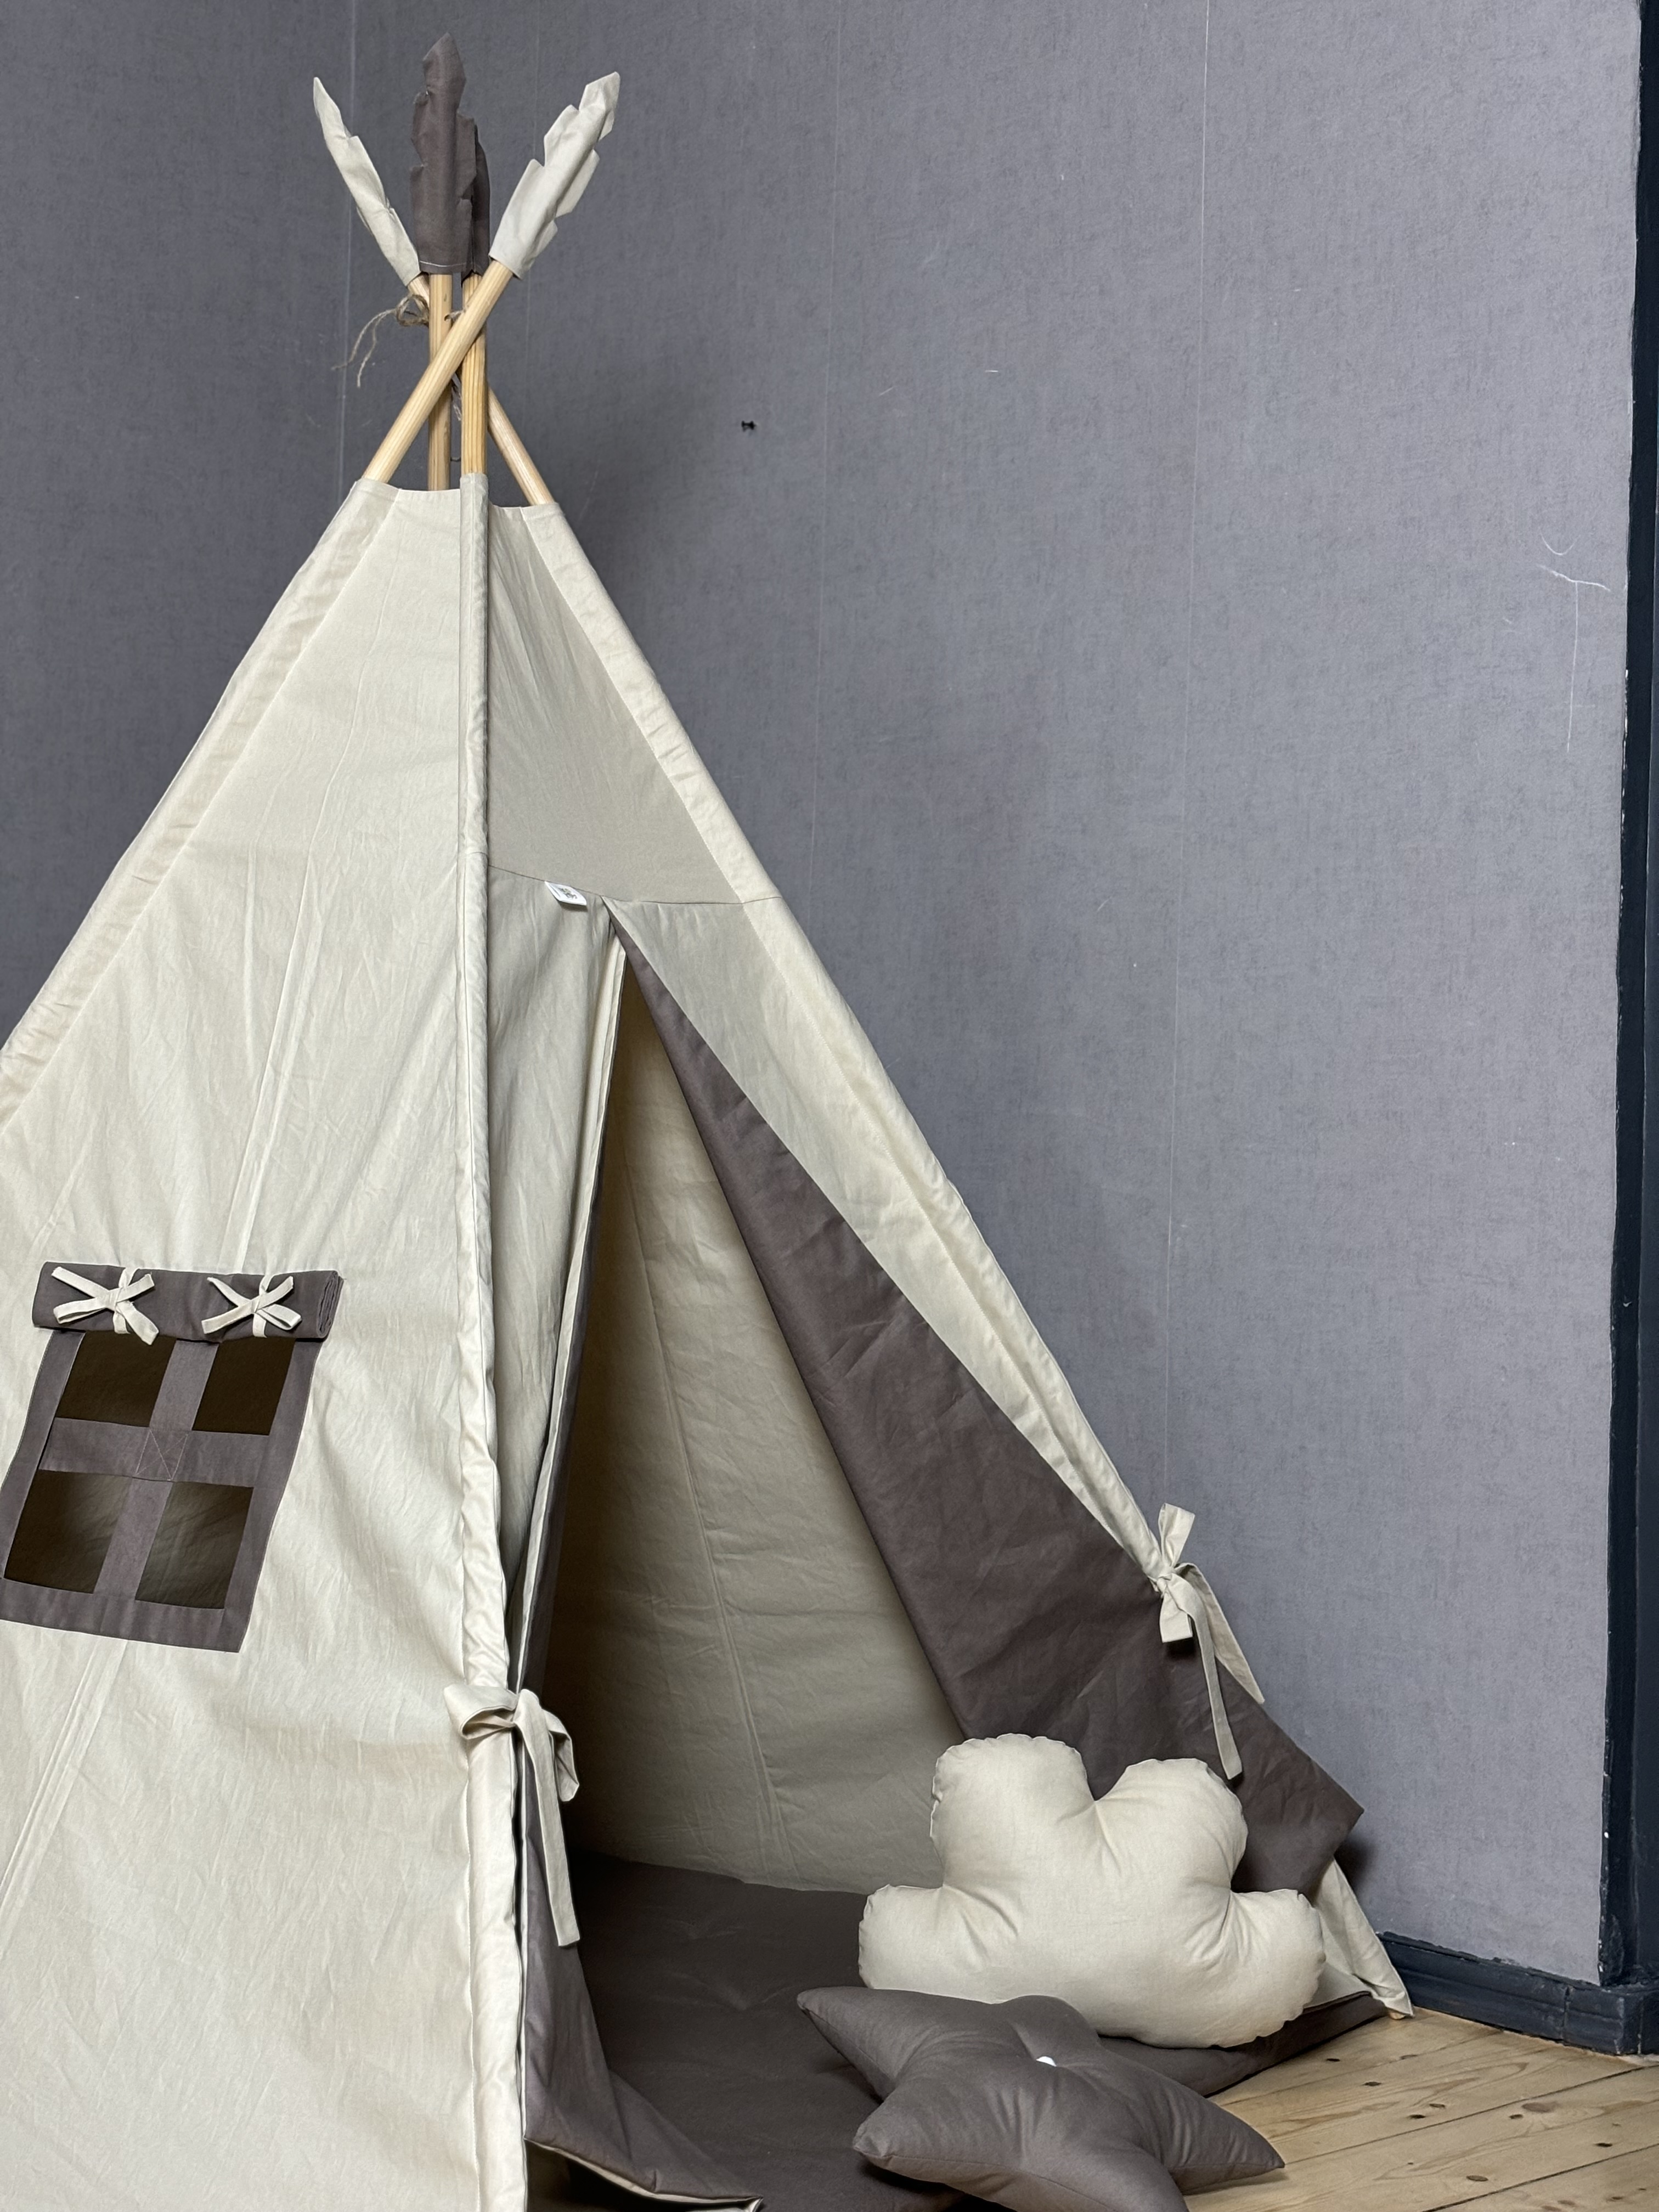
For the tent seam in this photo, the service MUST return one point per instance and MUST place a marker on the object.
(491, 1766)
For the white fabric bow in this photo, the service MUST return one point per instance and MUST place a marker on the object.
(262, 1305)
(480, 1712)
(117, 1301)
(1191, 1608)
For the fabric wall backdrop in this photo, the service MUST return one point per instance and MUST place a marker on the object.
(1163, 631)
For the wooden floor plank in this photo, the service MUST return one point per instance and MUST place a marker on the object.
(1632, 2181)
(1378, 2048)
(1460, 2160)
(1402, 2100)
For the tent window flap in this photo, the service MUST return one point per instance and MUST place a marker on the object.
(152, 1462)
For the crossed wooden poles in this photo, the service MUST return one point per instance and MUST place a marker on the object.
(452, 189)
(458, 343)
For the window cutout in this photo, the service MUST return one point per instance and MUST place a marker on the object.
(244, 1385)
(115, 1378)
(194, 1554)
(67, 1521)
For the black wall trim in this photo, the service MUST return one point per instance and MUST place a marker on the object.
(1620, 2021)
(1629, 1871)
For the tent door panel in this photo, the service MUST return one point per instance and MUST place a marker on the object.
(532, 1605)
(553, 988)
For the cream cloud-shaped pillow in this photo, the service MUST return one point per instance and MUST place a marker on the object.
(1123, 1908)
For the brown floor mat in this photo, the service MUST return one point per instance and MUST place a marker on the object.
(693, 1977)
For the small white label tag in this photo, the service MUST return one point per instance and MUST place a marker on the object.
(567, 897)
(1041, 2060)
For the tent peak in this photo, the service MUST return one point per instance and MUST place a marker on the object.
(549, 188)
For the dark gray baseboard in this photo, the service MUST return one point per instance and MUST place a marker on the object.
(1622, 2019)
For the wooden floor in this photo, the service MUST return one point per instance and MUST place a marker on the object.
(1405, 2116)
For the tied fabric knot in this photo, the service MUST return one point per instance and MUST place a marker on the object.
(117, 1301)
(479, 1712)
(1191, 1609)
(262, 1305)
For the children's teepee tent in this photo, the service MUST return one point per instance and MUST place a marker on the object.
(462, 1262)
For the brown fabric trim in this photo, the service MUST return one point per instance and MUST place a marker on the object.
(155, 1454)
(180, 1305)
(1034, 1619)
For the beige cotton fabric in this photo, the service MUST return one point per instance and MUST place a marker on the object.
(746, 1691)
(593, 781)
(553, 975)
(239, 1889)
(1122, 1906)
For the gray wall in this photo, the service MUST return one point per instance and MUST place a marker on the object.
(170, 447)
(1137, 637)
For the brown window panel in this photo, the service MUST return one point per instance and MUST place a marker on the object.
(244, 1384)
(115, 1378)
(67, 1522)
(194, 1553)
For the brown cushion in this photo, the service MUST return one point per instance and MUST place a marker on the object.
(1019, 2103)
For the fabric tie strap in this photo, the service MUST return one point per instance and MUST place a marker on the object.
(262, 1306)
(481, 1712)
(1190, 1608)
(117, 1301)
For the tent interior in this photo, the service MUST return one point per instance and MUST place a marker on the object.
(756, 1722)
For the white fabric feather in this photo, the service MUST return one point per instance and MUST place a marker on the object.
(551, 187)
(362, 179)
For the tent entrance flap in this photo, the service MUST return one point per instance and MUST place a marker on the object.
(554, 981)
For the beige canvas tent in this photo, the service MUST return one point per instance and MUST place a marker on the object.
(465, 1263)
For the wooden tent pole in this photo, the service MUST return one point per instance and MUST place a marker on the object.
(514, 450)
(475, 429)
(510, 446)
(441, 287)
(439, 370)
